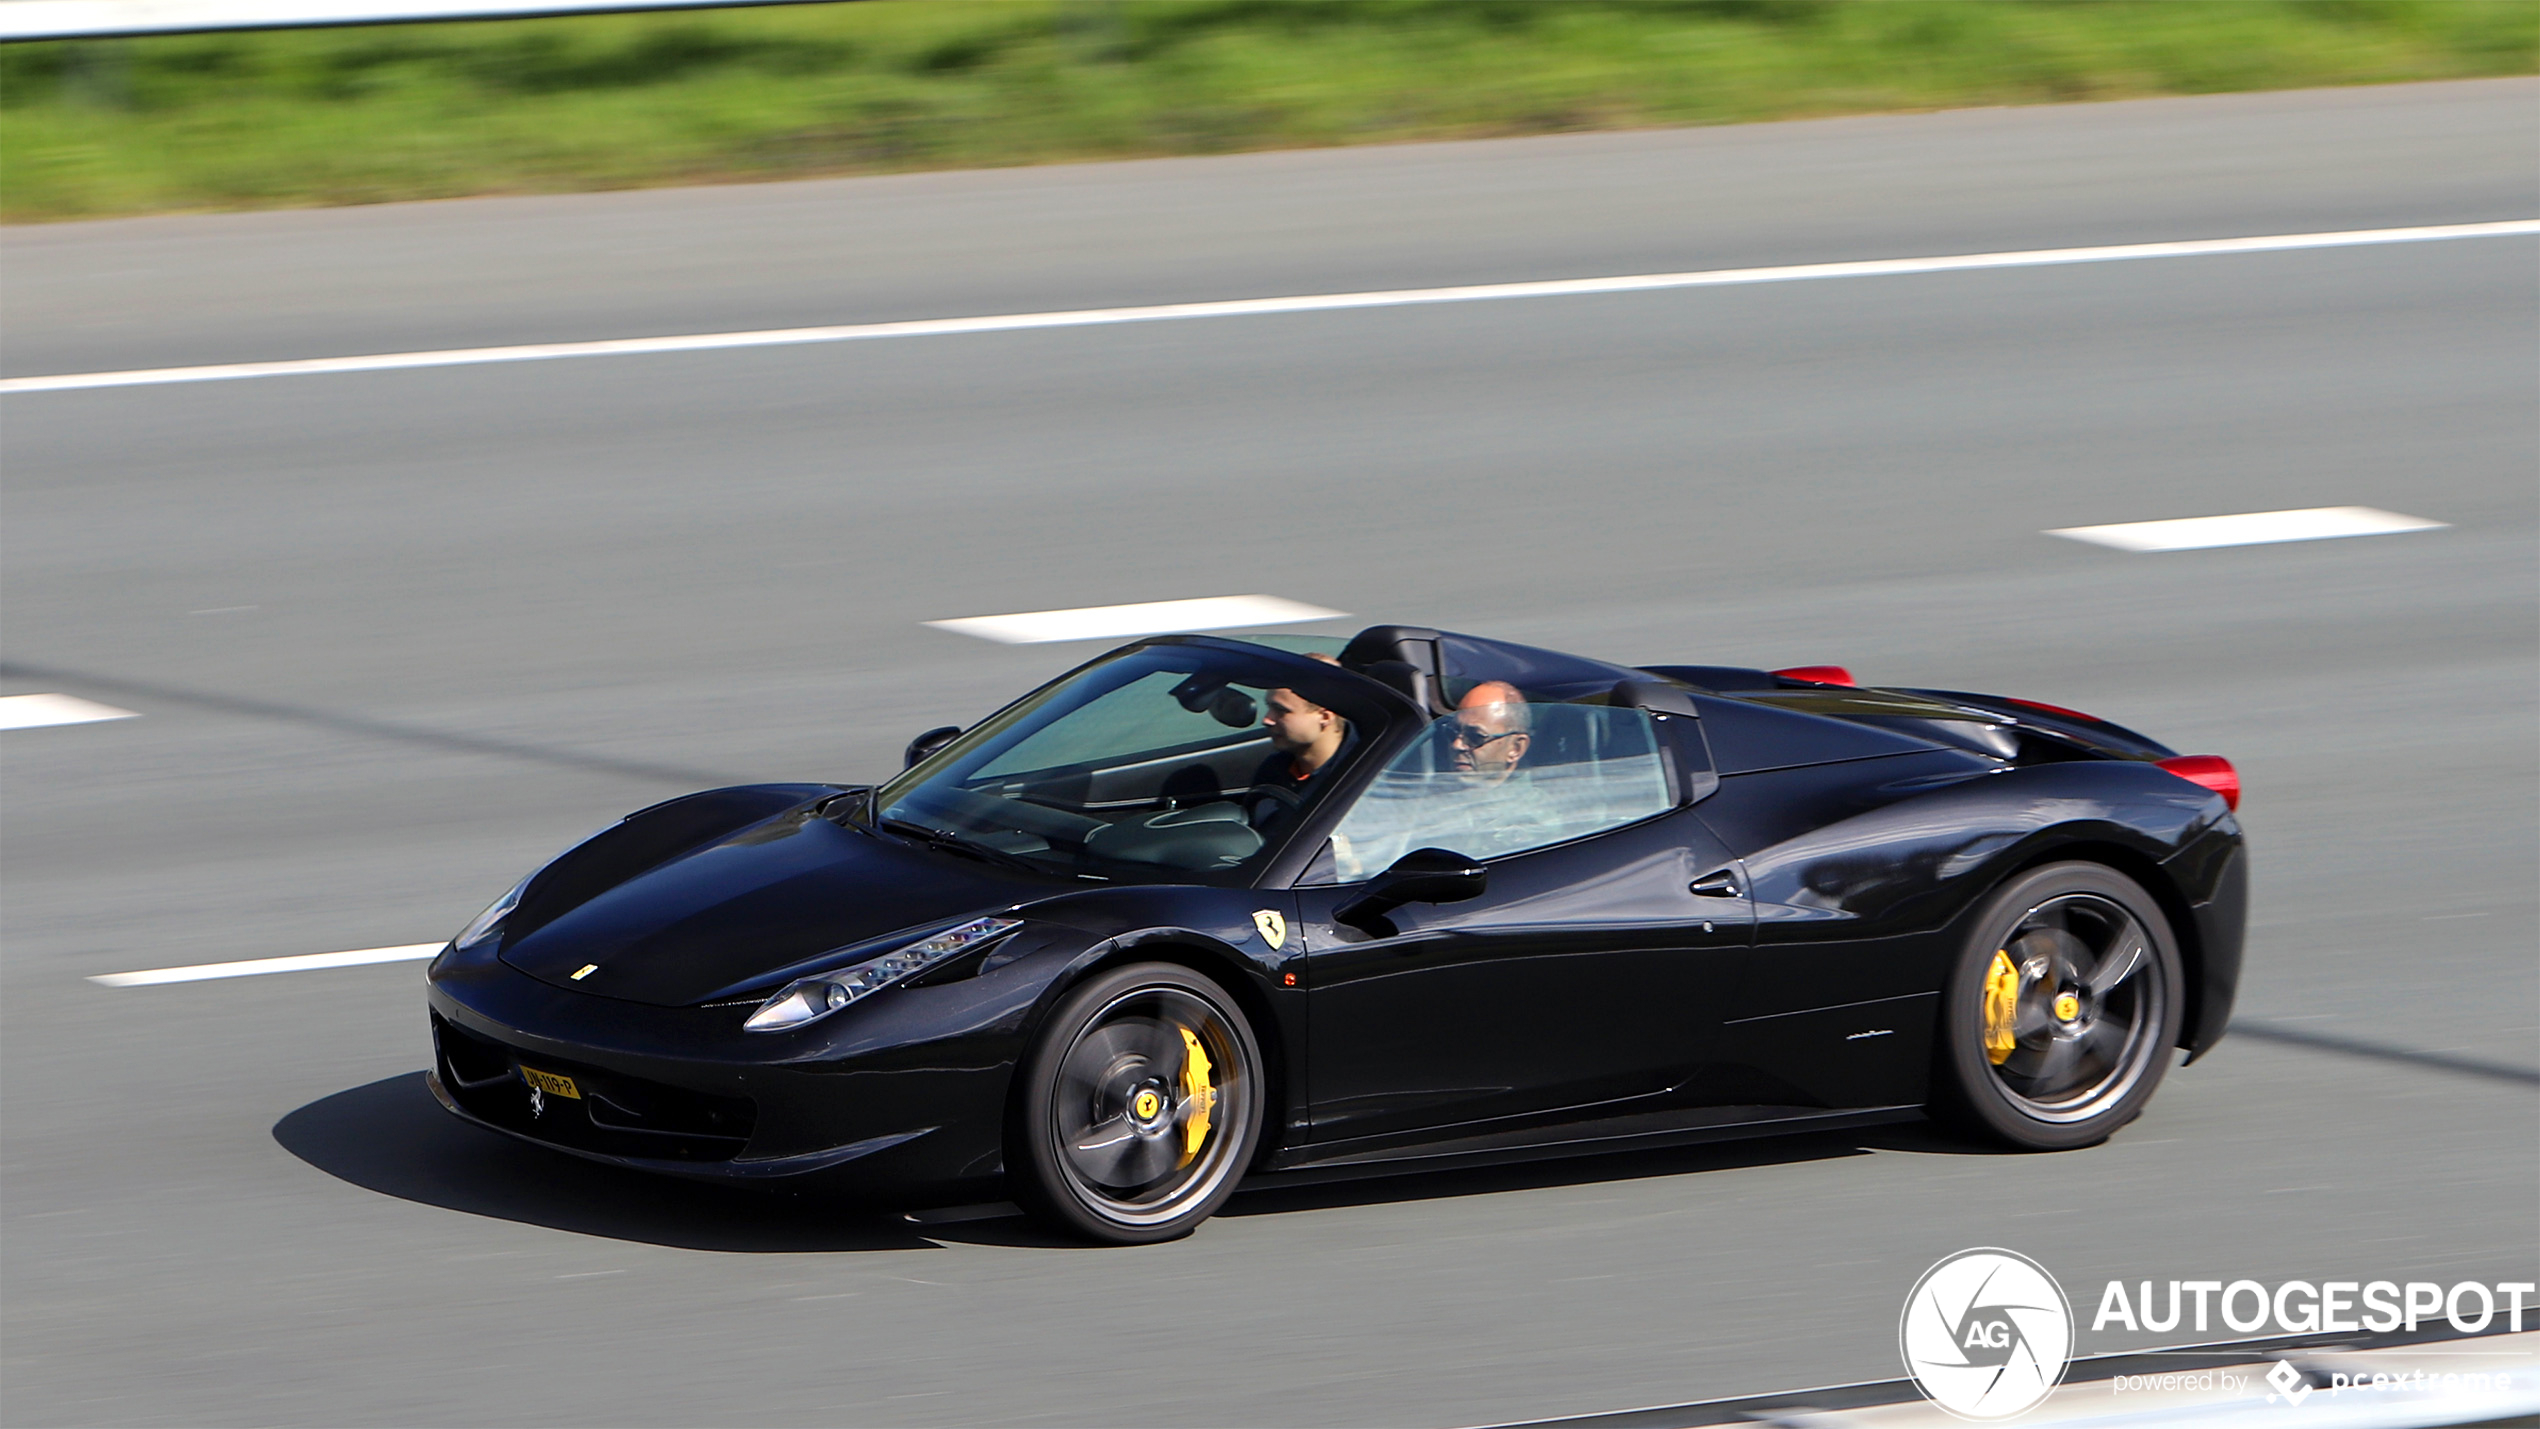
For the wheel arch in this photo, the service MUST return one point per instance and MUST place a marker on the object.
(1228, 969)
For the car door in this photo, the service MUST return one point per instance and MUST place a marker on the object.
(1589, 973)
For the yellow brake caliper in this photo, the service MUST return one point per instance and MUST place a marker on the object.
(2001, 1008)
(1198, 1095)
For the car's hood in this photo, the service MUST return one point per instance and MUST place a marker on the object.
(765, 898)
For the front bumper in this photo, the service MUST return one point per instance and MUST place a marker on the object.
(904, 1104)
(732, 1169)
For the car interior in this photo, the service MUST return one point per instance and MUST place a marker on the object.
(1153, 758)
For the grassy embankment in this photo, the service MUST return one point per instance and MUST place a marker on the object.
(426, 111)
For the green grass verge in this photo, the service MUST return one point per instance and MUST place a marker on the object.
(429, 111)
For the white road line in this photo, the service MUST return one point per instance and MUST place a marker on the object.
(39, 711)
(1156, 617)
(82, 19)
(2250, 528)
(257, 967)
(1253, 307)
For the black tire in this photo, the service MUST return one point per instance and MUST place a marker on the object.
(2087, 995)
(1119, 1132)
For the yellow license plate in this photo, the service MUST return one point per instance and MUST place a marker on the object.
(550, 1083)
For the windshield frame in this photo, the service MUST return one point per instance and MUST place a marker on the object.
(1382, 717)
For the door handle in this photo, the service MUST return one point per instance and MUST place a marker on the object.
(1714, 885)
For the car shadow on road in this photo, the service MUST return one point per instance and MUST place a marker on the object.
(393, 1138)
(1377, 1190)
(1603, 1169)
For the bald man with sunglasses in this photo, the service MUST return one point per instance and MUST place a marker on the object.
(1501, 808)
(1490, 735)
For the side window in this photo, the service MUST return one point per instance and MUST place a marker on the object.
(1501, 779)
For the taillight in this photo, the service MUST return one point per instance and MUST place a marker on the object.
(2051, 709)
(2210, 770)
(1818, 674)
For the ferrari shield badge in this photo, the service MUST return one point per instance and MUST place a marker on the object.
(1273, 926)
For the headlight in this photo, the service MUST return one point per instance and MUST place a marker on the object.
(491, 920)
(812, 998)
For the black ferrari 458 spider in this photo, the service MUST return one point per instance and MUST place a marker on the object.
(1205, 912)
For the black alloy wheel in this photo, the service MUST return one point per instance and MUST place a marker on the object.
(2062, 1012)
(1139, 1108)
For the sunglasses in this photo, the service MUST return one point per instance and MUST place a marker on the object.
(1475, 737)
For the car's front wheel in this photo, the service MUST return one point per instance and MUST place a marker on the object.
(2061, 1013)
(1139, 1106)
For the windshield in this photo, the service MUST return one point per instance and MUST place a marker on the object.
(1167, 760)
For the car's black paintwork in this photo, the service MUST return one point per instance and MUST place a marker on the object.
(1767, 955)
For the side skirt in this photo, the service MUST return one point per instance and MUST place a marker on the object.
(1648, 1131)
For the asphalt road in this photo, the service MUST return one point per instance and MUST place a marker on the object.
(395, 637)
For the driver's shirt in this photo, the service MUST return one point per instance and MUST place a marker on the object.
(1273, 814)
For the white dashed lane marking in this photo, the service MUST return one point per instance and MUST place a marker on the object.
(2252, 528)
(257, 967)
(1121, 622)
(1257, 307)
(39, 711)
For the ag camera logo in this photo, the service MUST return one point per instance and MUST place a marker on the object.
(1986, 1334)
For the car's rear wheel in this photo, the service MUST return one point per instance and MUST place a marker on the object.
(1139, 1107)
(2062, 1011)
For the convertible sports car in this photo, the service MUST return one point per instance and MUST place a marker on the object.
(1210, 911)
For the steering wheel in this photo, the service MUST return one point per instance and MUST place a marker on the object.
(1291, 797)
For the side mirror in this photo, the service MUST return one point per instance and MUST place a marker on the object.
(926, 745)
(1424, 875)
